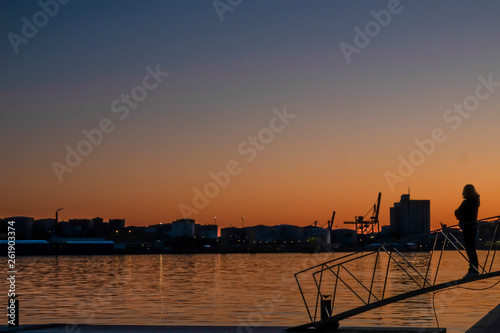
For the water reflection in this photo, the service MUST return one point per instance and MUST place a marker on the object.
(223, 290)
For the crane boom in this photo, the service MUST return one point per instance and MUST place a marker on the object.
(368, 227)
(330, 223)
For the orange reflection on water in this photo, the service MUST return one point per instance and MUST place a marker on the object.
(232, 289)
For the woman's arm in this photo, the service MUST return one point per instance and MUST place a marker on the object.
(460, 210)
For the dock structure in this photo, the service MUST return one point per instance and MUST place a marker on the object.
(488, 324)
(326, 279)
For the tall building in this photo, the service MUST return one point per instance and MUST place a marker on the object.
(411, 221)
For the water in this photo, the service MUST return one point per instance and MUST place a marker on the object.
(233, 289)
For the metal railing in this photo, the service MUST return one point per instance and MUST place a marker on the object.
(423, 279)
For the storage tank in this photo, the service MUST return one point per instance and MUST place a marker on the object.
(183, 228)
(260, 233)
(286, 233)
(209, 231)
(23, 225)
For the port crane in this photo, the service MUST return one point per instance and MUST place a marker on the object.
(329, 223)
(368, 227)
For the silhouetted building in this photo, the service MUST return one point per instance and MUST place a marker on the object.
(411, 220)
(82, 227)
(23, 225)
(116, 224)
(317, 233)
(344, 237)
(232, 235)
(183, 228)
(100, 227)
(163, 228)
(288, 233)
(207, 231)
(44, 229)
(63, 229)
(260, 234)
(98, 220)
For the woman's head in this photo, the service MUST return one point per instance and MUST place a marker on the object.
(469, 191)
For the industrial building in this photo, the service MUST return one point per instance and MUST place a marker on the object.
(183, 228)
(23, 226)
(344, 237)
(411, 221)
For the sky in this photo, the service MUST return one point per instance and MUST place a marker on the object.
(276, 111)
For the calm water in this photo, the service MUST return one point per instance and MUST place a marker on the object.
(233, 289)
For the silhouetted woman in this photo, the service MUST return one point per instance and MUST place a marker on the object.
(467, 220)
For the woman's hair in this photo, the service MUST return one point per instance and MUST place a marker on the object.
(470, 191)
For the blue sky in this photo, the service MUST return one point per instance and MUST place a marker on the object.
(225, 78)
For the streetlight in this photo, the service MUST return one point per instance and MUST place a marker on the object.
(57, 217)
(56, 224)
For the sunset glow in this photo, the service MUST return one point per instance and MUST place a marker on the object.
(262, 105)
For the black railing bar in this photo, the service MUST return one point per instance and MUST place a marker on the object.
(439, 262)
(493, 258)
(327, 262)
(338, 276)
(477, 268)
(304, 299)
(491, 246)
(489, 218)
(410, 265)
(361, 283)
(342, 263)
(386, 272)
(455, 238)
(318, 295)
(496, 247)
(335, 290)
(404, 270)
(430, 260)
(373, 276)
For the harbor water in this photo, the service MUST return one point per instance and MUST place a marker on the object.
(246, 290)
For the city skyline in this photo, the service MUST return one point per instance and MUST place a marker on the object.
(281, 112)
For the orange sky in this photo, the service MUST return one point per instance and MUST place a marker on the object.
(349, 122)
